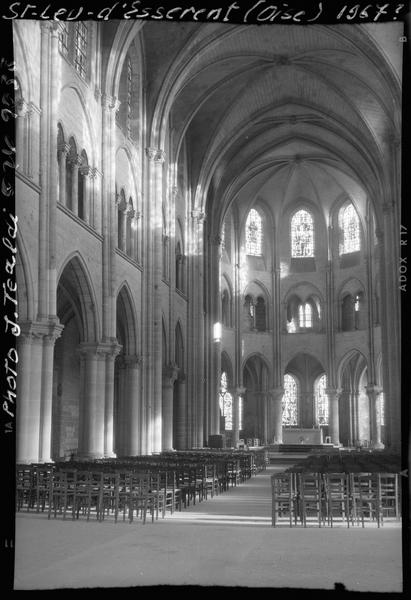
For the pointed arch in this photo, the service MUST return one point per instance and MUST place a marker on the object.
(256, 367)
(354, 355)
(75, 287)
(92, 138)
(227, 367)
(126, 320)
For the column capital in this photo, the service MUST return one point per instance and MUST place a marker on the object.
(170, 374)
(197, 215)
(240, 391)
(174, 191)
(393, 139)
(85, 170)
(21, 107)
(94, 173)
(51, 330)
(110, 103)
(277, 393)
(155, 155)
(53, 334)
(63, 148)
(45, 26)
(373, 390)
(32, 108)
(388, 207)
(74, 160)
(133, 361)
(99, 349)
(333, 392)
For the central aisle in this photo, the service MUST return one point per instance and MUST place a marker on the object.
(249, 502)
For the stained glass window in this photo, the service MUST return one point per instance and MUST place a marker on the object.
(226, 402)
(63, 37)
(80, 48)
(302, 235)
(249, 303)
(254, 234)
(305, 315)
(350, 228)
(321, 401)
(290, 401)
(291, 327)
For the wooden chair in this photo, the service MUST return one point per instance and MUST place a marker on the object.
(42, 473)
(62, 492)
(336, 487)
(139, 499)
(390, 496)
(365, 498)
(311, 493)
(284, 495)
(25, 493)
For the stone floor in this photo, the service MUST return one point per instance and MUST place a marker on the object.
(226, 541)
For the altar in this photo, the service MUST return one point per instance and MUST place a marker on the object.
(302, 435)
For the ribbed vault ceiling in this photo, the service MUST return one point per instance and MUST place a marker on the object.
(279, 111)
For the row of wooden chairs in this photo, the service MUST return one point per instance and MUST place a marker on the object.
(327, 498)
(119, 494)
(144, 486)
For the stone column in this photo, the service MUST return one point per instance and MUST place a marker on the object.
(26, 451)
(277, 415)
(46, 400)
(170, 374)
(181, 421)
(111, 353)
(215, 349)
(137, 237)
(156, 159)
(63, 151)
(93, 405)
(133, 398)
(54, 82)
(44, 169)
(266, 419)
(95, 199)
(238, 393)
(334, 425)
(121, 408)
(373, 393)
(109, 107)
(21, 136)
(356, 416)
(75, 163)
(85, 173)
